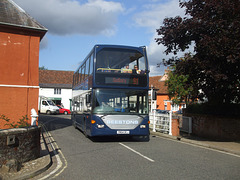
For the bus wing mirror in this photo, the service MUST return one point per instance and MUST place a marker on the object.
(154, 95)
(88, 98)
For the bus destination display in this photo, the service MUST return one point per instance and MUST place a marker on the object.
(118, 80)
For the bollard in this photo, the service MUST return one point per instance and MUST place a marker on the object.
(34, 116)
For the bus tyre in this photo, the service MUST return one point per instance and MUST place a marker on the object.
(74, 124)
(85, 131)
(147, 138)
(48, 112)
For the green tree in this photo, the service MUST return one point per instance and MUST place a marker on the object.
(180, 86)
(43, 68)
(213, 28)
(177, 90)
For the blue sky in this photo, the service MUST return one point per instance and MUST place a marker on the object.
(75, 26)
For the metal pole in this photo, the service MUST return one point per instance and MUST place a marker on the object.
(154, 121)
(151, 99)
(170, 123)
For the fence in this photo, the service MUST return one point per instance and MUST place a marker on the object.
(185, 124)
(161, 122)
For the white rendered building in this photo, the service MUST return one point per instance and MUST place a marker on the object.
(57, 86)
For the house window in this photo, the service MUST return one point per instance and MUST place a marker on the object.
(57, 91)
(175, 107)
(183, 106)
(165, 105)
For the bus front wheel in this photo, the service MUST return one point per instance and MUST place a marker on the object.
(74, 124)
(85, 130)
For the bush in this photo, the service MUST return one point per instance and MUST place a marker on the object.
(229, 110)
(23, 122)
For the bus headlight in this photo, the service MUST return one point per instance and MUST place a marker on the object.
(100, 126)
(142, 126)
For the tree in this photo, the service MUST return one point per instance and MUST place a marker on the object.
(42, 68)
(177, 90)
(180, 86)
(213, 28)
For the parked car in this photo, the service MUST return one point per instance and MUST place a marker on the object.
(179, 111)
(47, 106)
(63, 110)
(162, 111)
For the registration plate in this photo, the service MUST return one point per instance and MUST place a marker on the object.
(123, 132)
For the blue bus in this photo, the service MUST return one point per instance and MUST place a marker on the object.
(110, 92)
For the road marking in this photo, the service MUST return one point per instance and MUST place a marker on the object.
(137, 152)
(65, 161)
(59, 162)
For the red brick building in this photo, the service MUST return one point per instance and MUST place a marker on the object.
(20, 36)
(162, 102)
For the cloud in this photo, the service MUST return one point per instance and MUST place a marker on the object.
(66, 17)
(155, 56)
(44, 43)
(153, 15)
(152, 18)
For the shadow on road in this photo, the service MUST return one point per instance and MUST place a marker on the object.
(54, 122)
(120, 139)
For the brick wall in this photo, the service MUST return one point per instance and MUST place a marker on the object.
(175, 126)
(19, 63)
(216, 127)
(22, 144)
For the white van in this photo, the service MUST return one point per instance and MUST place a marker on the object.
(47, 106)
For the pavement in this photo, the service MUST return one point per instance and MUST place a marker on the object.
(35, 167)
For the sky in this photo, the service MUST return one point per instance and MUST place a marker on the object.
(75, 26)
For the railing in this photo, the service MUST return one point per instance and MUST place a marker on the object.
(161, 122)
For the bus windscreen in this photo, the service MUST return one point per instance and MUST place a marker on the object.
(120, 61)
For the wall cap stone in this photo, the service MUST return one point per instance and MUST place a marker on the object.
(17, 130)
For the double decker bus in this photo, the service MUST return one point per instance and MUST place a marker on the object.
(110, 92)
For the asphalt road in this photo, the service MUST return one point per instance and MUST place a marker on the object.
(134, 158)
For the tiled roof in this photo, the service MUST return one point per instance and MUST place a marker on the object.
(13, 15)
(55, 79)
(62, 86)
(157, 84)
